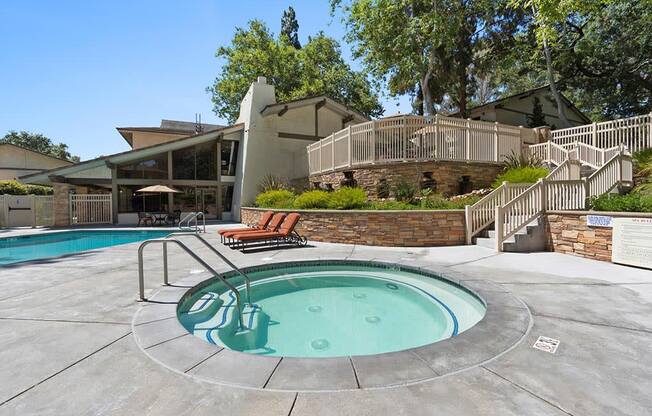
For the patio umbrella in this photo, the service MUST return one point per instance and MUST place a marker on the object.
(160, 189)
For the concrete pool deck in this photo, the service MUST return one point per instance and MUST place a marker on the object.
(67, 347)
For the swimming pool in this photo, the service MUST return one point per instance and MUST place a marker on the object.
(331, 310)
(41, 246)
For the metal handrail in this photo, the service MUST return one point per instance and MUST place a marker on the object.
(222, 257)
(193, 216)
(141, 272)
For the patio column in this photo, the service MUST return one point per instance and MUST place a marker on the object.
(61, 204)
(115, 196)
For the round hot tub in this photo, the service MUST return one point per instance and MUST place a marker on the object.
(329, 309)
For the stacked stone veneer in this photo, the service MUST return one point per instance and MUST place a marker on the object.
(568, 233)
(377, 228)
(61, 203)
(447, 175)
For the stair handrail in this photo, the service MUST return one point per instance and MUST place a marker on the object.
(193, 216)
(527, 206)
(221, 256)
(164, 242)
(481, 214)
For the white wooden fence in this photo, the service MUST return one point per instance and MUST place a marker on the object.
(91, 209)
(633, 132)
(415, 138)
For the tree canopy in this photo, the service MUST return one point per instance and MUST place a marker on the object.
(290, 27)
(317, 68)
(449, 55)
(39, 143)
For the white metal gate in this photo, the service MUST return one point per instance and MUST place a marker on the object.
(90, 209)
(26, 210)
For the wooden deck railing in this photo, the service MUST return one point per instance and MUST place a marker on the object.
(415, 138)
(633, 132)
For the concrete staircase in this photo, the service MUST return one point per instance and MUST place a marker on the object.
(530, 238)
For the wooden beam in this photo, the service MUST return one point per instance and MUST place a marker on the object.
(320, 104)
(284, 135)
(347, 119)
(283, 111)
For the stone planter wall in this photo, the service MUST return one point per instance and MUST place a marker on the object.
(376, 228)
(447, 175)
(568, 233)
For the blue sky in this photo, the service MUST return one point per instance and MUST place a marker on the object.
(75, 70)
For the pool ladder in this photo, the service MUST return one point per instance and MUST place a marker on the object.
(190, 217)
(164, 242)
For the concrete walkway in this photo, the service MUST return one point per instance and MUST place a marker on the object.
(66, 346)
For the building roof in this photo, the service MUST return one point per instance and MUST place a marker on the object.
(172, 127)
(527, 94)
(130, 155)
(282, 107)
(37, 152)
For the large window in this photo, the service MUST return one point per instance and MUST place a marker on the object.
(229, 157)
(131, 201)
(227, 197)
(152, 168)
(197, 162)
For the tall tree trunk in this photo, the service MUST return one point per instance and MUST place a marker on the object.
(553, 85)
(427, 97)
(462, 92)
(419, 99)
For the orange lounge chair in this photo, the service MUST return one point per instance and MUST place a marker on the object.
(262, 225)
(285, 234)
(272, 226)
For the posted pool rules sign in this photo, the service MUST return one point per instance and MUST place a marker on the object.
(632, 242)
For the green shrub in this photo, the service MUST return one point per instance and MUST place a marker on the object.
(347, 198)
(17, 188)
(312, 199)
(519, 160)
(390, 205)
(633, 202)
(275, 199)
(405, 191)
(272, 183)
(521, 175)
(435, 201)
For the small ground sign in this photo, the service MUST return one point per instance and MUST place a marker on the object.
(546, 344)
(599, 221)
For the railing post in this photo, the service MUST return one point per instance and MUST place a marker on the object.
(373, 141)
(468, 223)
(594, 134)
(320, 169)
(349, 147)
(498, 228)
(504, 194)
(405, 139)
(165, 264)
(333, 151)
(544, 199)
(436, 135)
(649, 132)
(549, 151)
(468, 139)
(496, 147)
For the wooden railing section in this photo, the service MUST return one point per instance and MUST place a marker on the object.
(633, 132)
(415, 138)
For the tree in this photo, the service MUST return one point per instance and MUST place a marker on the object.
(290, 28)
(39, 143)
(537, 119)
(429, 48)
(316, 69)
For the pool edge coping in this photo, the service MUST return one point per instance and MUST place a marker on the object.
(505, 334)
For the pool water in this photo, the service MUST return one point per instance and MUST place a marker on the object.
(332, 311)
(41, 246)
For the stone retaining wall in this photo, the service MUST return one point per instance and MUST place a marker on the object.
(446, 175)
(376, 228)
(568, 233)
